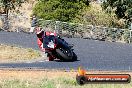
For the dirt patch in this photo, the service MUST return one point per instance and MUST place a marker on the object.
(34, 75)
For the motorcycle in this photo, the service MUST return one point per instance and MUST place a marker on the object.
(58, 48)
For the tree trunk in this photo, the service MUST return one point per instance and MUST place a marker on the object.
(6, 11)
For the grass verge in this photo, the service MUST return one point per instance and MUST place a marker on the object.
(48, 79)
(12, 53)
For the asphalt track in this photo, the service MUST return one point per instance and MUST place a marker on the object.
(92, 55)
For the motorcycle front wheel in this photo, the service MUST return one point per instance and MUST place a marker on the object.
(65, 54)
(74, 57)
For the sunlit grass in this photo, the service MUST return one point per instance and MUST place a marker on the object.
(60, 82)
(12, 53)
(50, 79)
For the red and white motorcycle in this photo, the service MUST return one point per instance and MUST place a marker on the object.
(56, 47)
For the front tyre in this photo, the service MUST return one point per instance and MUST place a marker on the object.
(65, 55)
(74, 57)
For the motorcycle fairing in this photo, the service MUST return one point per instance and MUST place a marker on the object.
(49, 42)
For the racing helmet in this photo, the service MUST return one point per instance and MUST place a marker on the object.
(39, 32)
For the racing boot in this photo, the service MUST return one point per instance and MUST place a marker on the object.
(51, 58)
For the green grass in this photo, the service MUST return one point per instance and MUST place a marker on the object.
(61, 82)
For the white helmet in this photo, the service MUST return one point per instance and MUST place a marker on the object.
(39, 30)
(51, 33)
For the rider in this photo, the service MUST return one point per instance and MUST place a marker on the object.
(34, 24)
(40, 35)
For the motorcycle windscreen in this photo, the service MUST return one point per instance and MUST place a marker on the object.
(49, 42)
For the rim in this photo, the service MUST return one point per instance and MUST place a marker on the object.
(67, 52)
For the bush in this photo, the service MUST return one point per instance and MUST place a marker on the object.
(95, 16)
(62, 10)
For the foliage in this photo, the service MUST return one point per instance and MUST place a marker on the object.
(63, 10)
(10, 5)
(95, 16)
(122, 9)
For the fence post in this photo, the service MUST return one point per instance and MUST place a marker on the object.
(130, 33)
(81, 30)
(72, 29)
(91, 31)
(130, 36)
(56, 26)
(122, 36)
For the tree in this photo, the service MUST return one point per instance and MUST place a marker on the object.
(63, 10)
(122, 9)
(7, 5)
(10, 4)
